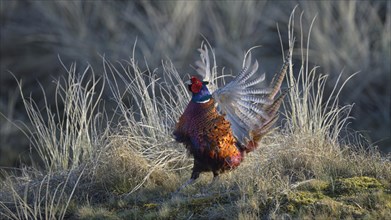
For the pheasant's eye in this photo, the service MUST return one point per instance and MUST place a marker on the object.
(196, 85)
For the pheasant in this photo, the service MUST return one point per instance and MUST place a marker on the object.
(219, 128)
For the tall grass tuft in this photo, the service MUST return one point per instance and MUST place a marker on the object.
(65, 137)
(149, 107)
(38, 196)
(147, 110)
(354, 36)
(308, 109)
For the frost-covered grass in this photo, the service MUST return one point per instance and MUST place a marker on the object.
(121, 162)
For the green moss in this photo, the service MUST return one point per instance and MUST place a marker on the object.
(294, 201)
(305, 203)
(150, 205)
(353, 185)
(356, 197)
(304, 197)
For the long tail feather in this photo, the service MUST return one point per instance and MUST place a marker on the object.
(279, 77)
(271, 109)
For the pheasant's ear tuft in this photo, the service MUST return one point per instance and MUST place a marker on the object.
(196, 85)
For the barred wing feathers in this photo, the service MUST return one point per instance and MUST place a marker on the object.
(252, 111)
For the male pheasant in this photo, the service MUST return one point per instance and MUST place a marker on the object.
(219, 128)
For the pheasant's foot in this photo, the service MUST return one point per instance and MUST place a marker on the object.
(190, 181)
(206, 189)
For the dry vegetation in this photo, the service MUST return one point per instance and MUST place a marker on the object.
(125, 165)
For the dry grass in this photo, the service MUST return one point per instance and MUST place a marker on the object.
(348, 37)
(95, 168)
(351, 50)
(64, 138)
(38, 196)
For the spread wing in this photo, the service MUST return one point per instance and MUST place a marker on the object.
(250, 109)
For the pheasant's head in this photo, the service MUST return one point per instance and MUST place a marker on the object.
(199, 90)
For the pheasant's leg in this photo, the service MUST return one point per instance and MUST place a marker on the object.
(194, 176)
(216, 177)
(211, 184)
(190, 181)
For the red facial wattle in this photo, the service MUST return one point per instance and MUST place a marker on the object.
(196, 85)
